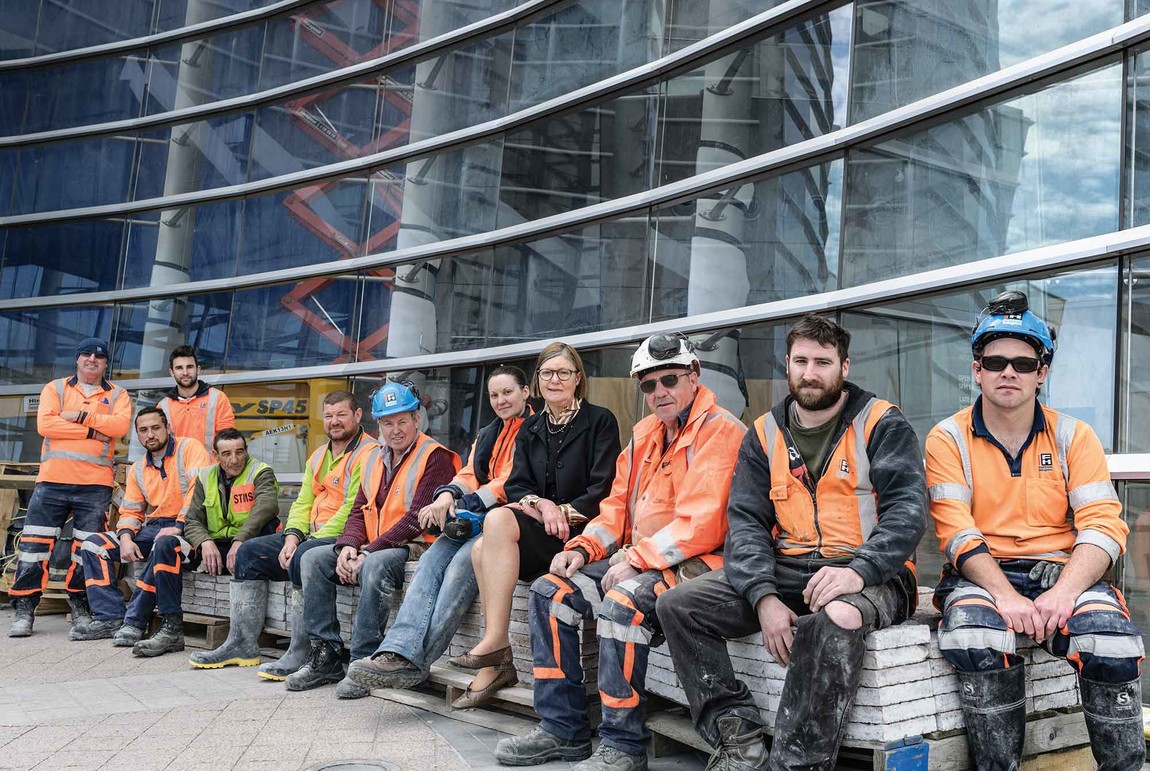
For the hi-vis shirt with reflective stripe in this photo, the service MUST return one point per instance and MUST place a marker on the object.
(847, 507)
(328, 493)
(670, 505)
(67, 455)
(226, 521)
(378, 520)
(1063, 497)
(200, 417)
(152, 495)
(488, 483)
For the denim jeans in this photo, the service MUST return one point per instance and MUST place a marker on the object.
(379, 576)
(48, 510)
(440, 593)
(259, 558)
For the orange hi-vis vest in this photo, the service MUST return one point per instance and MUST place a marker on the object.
(498, 465)
(331, 491)
(839, 516)
(151, 494)
(67, 455)
(378, 520)
(670, 504)
(200, 417)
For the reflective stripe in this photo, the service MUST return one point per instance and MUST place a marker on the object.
(977, 638)
(411, 476)
(35, 556)
(163, 405)
(1102, 541)
(95, 548)
(1108, 645)
(1063, 438)
(210, 420)
(76, 558)
(770, 428)
(613, 630)
(951, 428)
(487, 497)
(51, 532)
(668, 547)
(1092, 492)
(565, 614)
(864, 488)
(589, 589)
(604, 536)
(82, 457)
(139, 474)
(127, 505)
(966, 592)
(1091, 597)
(80, 535)
(959, 539)
(631, 477)
(950, 491)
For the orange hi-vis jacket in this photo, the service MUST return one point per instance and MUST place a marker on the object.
(200, 417)
(1061, 495)
(670, 505)
(68, 455)
(489, 464)
(333, 491)
(846, 511)
(162, 491)
(378, 520)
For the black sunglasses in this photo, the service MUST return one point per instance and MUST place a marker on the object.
(668, 381)
(1022, 364)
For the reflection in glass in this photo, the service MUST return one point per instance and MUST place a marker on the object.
(1135, 364)
(1035, 170)
(40, 344)
(146, 333)
(1132, 573)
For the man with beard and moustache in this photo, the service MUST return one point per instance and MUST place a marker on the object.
(827, 505)
(194, 408)
(316, 519)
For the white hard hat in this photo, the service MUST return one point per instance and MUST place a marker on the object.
(661, 351)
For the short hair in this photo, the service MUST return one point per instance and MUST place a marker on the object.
(183, 352)
(151, 411)
(228, 435)
(339, 397)
(516, 374)
(550, 352)
(823, 331)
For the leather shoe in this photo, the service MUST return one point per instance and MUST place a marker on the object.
(505, 675)
(473, 661)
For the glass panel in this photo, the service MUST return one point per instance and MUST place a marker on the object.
(1135, 363)
(690, 22)
(1133, 569)
(62, 258)
(17, 38)
(18, 438)
(1037, 169)
(910, 49)
(916, 353)
(40, 344)
(145, 333)
(1136, 207)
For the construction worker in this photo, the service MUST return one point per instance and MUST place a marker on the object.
(827, 505)
(1030, 525)
(80, 418)
(194, 408)
(316, 518)
(150, 528)
(234, 500)
(400, 475)
(664, 520)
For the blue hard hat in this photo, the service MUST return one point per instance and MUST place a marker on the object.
(1009, 315)
(392, 399)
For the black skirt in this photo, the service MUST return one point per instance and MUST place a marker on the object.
(536, 547)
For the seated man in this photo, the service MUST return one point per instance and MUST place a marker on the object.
(331, 482)
(382, 532)
(827, 505)
(156, 500)
(1030, 524)
(664, 518)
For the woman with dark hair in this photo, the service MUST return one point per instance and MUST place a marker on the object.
(444, 585)
(564, 466)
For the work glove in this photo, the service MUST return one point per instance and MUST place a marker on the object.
(1045, 574)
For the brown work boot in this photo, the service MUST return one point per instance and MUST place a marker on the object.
(385, 670)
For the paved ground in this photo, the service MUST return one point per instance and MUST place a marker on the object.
(87, 705)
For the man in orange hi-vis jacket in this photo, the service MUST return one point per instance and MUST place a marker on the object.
(80, 418)
(664, 522)
(194, 408)
(1030, 524)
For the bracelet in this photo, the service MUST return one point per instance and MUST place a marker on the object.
(529, 500)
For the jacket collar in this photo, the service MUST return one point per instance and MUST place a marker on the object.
(201, 389)
(578, 424)
(104, 384)
(704, 402)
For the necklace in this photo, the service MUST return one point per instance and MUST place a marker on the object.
(556, 430)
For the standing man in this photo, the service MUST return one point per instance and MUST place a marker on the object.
(150, 528)
(331, 481)
(80, 418)
(662, 524)
(194, 408)
(400, 475)
(827, 505)
(1030, 524)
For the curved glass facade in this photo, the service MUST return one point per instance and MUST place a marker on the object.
(592, 170)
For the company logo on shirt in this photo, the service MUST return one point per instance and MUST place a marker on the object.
(1046, 461)
(843, 467)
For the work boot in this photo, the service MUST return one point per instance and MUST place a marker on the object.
(324, 665)
(385, 670)
(540, 747)
(1113, 714)
(994, 707)
(169, 638)
(349, 689)
(249, 604)
(25, 615)
(742, 746)
(610, 759)
(81, 615)
(97, 630)
(126, 636)
(297, 652)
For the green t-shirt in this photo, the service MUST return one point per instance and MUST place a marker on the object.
(812, 442)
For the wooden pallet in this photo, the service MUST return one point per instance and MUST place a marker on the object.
(207, 632)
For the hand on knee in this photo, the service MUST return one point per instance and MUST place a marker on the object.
(844, 615)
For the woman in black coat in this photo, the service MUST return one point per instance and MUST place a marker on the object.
(564, 466)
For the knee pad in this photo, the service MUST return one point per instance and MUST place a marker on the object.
(565, 601)
(974, 638)
(1104, 646)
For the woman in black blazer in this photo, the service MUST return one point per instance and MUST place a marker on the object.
(564, 466)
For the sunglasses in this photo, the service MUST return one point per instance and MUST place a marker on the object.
(668, 381)
(1022, 364)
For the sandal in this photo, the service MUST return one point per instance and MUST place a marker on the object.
(505, 675)
(473, 661)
